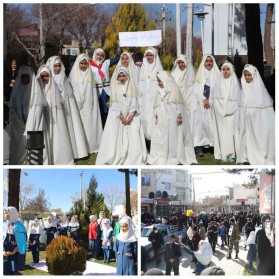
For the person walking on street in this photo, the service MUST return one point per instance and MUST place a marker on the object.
(234, 239)
(212, 234)
(248, 228)
(172, 254)
(157, 240)
(222, 232)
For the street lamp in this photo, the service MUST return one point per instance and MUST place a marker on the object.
(229, 189)
(201, 15)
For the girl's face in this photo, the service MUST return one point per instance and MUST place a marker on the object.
(149, 57)
(208, 63)
(124, 227)
(248, 76)
(160, 83)
(6, 216)
(25, 79)
(226, 71)
(125, 60)
(45, 77)
(57, 69)
(83, 65)
(181, 65)
(121, 78)
(99, 56)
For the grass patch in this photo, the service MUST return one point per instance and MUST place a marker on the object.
(89, 160)
(30, 270)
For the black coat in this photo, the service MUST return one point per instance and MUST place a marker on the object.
(156, 239)
(172, 251)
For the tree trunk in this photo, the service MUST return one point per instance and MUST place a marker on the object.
(254, 36)
(269, 56)
(127, 191)
(41, 56)
(14, 187)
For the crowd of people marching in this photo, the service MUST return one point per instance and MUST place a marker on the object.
(203, 232)
(104, 235)
(142, 114)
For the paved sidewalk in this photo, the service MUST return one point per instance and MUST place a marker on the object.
(230, 266)
(91, 268)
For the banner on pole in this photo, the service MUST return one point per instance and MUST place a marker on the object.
(140, 38)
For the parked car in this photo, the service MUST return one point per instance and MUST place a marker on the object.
(165, 230)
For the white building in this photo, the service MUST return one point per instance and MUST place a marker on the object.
(178, 185)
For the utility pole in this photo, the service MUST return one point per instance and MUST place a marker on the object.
(164, 19)
(189, 32)
(178, 30)
(81, 174)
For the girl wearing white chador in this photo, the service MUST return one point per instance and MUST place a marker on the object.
(46, 114)
(225, 107)
(84, 89)
(127, 62)
(19, 108)
(148, 88)
(258, 131)
(185, 80)
(202, 115)
(77, 135)
(123, 139)
(171, 140)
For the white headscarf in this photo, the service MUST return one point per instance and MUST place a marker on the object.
(98, 50)
(128, 89)
(170, 92)
(13, 213)
(255, 92)
(46, 94)
(227, 92)
(21, 93)
(150, 69)
(64, 221)
(130, 235)
(106, 229)
(74, 221)
(204, 254)
(204, 76)
(80, 80)
(51, 224)
(132, 69)
(185, 77)
(34, 227)
(59, 78)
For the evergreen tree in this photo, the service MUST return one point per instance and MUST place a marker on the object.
(128, 18)
(94, 200)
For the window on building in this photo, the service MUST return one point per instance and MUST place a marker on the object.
(167, 186)
(180, 176)
(145, 181)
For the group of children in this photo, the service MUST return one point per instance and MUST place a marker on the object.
(149, 116)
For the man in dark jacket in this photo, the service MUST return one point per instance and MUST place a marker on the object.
(248, 227)
(157, 240)
(172, 254)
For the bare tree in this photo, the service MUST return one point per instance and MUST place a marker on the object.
(267, 35)
(39, 204)
(113, 196)
(134, 201)
(26, 191)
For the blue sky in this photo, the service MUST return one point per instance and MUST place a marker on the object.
(61, 185)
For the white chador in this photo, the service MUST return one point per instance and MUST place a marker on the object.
(225, 107)
(77, 135)
(130, 67)
(202, 118)
(46, 114)
(171, 142)
(185, 80)
(19, 108)
(258, 133)
(148, 89)
(123, 144)
(84, 88)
